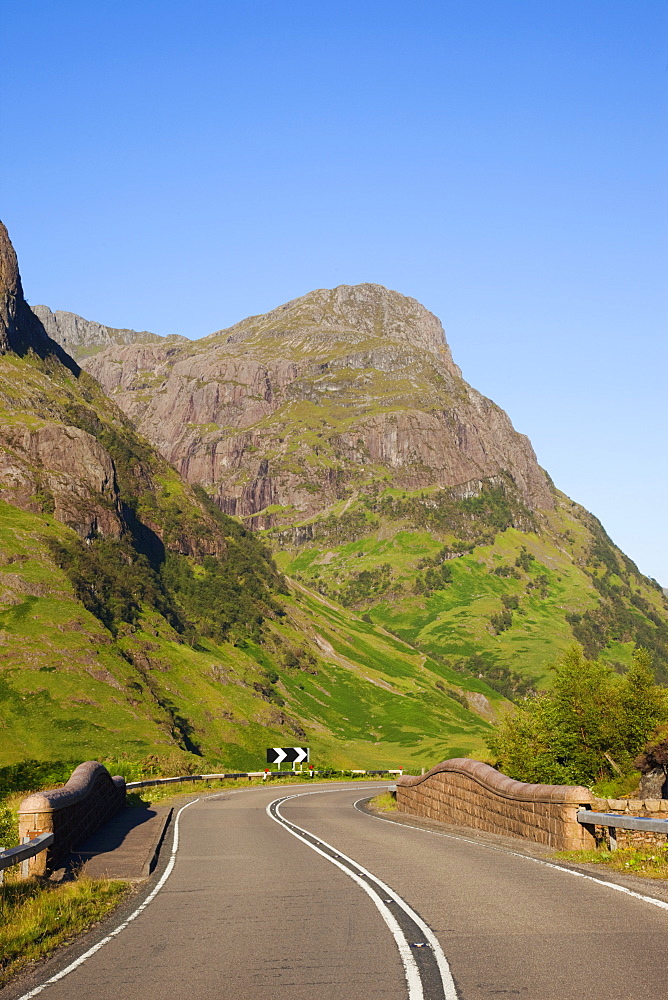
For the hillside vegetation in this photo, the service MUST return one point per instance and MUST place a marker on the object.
(136, 618)
(481, 583)
(397, 569)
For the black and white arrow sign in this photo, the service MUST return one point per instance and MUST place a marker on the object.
(293, 755)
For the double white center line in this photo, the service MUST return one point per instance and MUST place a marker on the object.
(428, 975)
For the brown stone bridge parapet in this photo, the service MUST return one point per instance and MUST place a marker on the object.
(71, 813)
(469, 793)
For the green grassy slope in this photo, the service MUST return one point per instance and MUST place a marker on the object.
(69, 688)
(475, 593)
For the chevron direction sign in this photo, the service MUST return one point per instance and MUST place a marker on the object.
(293, 755)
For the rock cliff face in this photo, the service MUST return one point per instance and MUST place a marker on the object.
(45, 464)
(81, 337)
(61, 438)
(62, 470)
(284, 414)
(20, 330)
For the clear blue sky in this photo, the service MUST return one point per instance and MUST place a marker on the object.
(176, 167)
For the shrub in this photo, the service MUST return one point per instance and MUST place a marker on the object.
(590, 727)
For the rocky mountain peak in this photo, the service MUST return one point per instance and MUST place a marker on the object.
(11, 292)
(285, 414)
(20, 329)
(354, 313)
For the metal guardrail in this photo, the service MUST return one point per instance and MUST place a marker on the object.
(239, 774)
(615, 821)
(23, 853)
(196, 777)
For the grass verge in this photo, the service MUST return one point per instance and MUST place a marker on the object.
(650, 862)
(385, 802)
(36, 918)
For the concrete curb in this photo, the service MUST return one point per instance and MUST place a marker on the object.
(154, 850)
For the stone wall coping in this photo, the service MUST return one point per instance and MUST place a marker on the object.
(630, 806)
(492, 780)
(77, 788)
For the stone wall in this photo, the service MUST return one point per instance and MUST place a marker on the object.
(472, 794)
(654, 808)
(72, 813)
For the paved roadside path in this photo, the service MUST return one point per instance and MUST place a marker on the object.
(251, 911)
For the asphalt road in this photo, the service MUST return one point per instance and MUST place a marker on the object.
(263, 902)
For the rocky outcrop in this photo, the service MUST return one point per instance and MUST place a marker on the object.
(59, 436)
(20, 330)
(45, 465)
(329, 393)
(63, 471)
(81, 337)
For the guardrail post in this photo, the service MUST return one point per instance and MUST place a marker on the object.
(612, 833)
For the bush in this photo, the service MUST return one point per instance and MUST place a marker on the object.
(501, 622)
(590, 727)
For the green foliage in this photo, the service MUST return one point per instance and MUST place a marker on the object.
(348, 527)
(228, 595)
(501, 678)
(502, 621)
(506, 571)
(230, 598)
(28, 775)
(623, 613)
(113, 581)
(367, 584)
(474, 520)
(615, 620)
(589, 727)
(435, 578)
(524, 560)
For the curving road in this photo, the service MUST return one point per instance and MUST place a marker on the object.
(299, 895)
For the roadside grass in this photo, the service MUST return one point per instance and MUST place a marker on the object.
(9, 820)
(36, 918)
(385, 802)
(648, 862)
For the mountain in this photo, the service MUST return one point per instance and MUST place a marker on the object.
(136, 618)
(82, 337)
(282, 415)
(340, 428)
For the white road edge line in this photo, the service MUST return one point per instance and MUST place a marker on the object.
(526, 857)
(412, 972)
(117, 930)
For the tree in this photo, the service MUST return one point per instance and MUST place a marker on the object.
(643, 704)
(590, 726)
